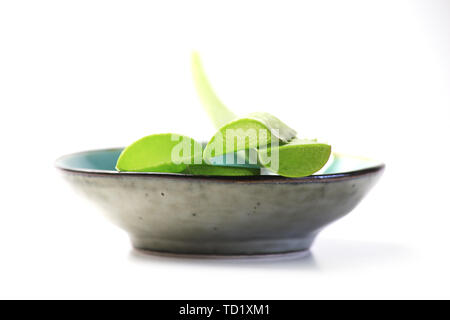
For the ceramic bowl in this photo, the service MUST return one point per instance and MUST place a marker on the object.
(212, 215)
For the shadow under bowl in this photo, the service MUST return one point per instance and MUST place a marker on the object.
(213, 215)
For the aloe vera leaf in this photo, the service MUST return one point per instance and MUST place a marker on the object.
(253, 131)
(298, 158)
(216, 110)
(155, 153)
(213, 170)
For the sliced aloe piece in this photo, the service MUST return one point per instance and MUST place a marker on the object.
(174, 153)
(216, 110)
(212, 170)
(298, 158)
(253, 131)
(160, 153)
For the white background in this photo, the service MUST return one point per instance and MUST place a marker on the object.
(370, 77)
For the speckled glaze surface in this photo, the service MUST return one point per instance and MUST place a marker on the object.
(219, 215)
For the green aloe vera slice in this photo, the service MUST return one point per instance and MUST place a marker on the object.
(253, 131)
(298, 158)
(160, 153)
(216, 110)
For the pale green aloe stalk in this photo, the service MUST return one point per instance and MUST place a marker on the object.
(216, 110)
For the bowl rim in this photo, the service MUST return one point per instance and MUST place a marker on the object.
(378, 168)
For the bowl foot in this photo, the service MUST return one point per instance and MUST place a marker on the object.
(282, 255)
(225, 248)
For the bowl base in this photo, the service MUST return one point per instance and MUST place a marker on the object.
(290, 254)
(225, 248)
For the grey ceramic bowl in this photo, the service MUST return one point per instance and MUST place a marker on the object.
(220, 215)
